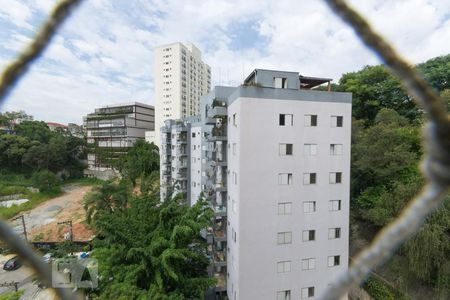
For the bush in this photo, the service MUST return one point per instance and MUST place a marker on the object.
(380, 290)
(6, 190)
(45, 180)
(12, 295)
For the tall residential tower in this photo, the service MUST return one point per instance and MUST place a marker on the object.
(275, 167)
(181, 78)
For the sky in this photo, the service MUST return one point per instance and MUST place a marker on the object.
(104, 53)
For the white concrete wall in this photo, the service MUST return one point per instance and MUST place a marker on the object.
(150, 137)
(252, 204)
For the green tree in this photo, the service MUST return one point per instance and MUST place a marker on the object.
(437, 72)
(34, 130)
(37, 157)
(152, 249)
(106, 199)
(12, 149)
(374, 88)
(57, 150)
(384, 152)
(140, 161)
(45, 180)
(10, 118)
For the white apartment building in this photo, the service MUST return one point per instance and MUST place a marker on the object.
(276, 170)
(180, 78)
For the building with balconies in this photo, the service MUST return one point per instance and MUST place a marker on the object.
(275, 168)
(181, 78)
(111, 130)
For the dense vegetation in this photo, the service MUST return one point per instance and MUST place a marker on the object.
(139, 162)
(33, 156)
(34, 148)
(147, 249)
(386, 150)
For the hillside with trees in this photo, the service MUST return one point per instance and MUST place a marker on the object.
(33, 156)
(33, 147)
(386, 152)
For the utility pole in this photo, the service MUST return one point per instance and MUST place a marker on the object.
(23, 224)
(69, 223)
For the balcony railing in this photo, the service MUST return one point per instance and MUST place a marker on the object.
(220, 210)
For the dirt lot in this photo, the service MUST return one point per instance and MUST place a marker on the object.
(41, 222)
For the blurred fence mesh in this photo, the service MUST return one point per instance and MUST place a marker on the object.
(435, 165)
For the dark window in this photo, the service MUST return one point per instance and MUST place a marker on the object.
(312, 178)
(339, 121)
(288, 149)
(338, 177)
(313, 120)
(312, 235)
(282, 120)
(311, 291)
(337, 233)
(193, 134)
(337, 260)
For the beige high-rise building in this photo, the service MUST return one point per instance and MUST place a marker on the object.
(180, 78)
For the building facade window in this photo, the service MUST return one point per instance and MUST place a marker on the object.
(334, 233)
(335, 177)
(307, 292)
(310, 149)
(234, 148)
(334, 205)
(285, 149)
(308, 264)
(308, 235)
(334, 260)
(286, 120)
(337, 121)
(335, 149)
(284, 266)
(285, 208)
(309, 178)
(284, 238)
(235, 120)
(280, 83)
(310, 120)
(284, 295)
(309, 206)
(285, 178)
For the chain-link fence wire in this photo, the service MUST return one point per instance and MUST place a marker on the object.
(14, 71)
(435, 165)
(9, 77)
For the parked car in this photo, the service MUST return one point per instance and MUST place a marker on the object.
(12, 264)
(47, 258)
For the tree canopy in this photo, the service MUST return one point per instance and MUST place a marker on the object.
(140, 161)
(33, 147)
(386, 150)
(148, 249)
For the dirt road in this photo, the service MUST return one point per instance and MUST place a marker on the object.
(41, 221)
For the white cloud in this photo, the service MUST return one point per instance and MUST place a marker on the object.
(16, 12)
